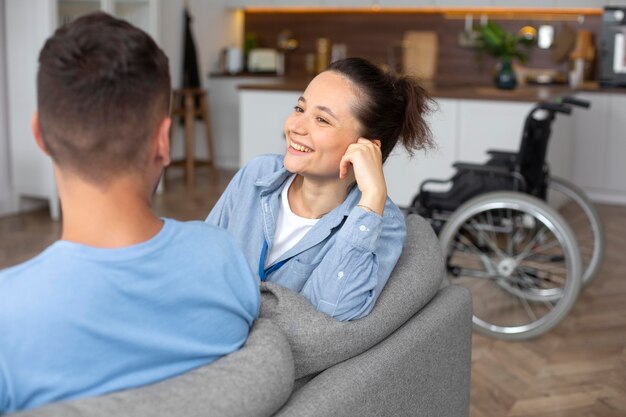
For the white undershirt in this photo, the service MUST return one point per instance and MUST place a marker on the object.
(290, 228)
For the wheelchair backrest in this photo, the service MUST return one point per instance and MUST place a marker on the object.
(531, 160)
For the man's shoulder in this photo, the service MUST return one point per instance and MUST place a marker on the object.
(203, 237)
(40, 262)
(196, 229)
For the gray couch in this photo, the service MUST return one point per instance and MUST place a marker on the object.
(409, 357)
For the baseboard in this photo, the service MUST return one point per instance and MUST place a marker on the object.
(228, 163)
(12, 206)
(606, 197)
(8, 207)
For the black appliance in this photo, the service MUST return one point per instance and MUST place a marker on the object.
(613, 47)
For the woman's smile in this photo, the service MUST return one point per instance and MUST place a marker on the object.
(300, 148)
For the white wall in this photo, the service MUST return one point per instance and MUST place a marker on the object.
(214, 27)
(6, 194)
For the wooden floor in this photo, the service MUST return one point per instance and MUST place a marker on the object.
(576, 370)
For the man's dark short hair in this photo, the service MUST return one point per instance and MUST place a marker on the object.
(103, 87)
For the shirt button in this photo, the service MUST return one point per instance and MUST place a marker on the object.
(363, 228)
(340, 274)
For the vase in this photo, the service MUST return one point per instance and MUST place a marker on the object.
(505, 76)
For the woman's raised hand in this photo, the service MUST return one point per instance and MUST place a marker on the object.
(367, 162)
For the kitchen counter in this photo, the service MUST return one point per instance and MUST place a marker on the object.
(527, 93)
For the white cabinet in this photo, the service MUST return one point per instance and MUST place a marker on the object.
(600, 147)
(225, 110)
(591, 134)
(616, 138)
(404, 174)
(485, 124)
(262, 117)
(498, 125)
(587, 147)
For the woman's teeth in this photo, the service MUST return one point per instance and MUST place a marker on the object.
(300, 148)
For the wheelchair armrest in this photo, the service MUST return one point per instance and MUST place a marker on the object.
(497, 153)
(431, 181)
(479, 168)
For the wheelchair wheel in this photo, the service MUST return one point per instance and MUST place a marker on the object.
(520, 260)
(572, 203)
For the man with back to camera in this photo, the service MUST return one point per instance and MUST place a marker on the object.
(124, 298)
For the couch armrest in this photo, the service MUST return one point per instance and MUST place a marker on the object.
(254, 381)
(422, 369)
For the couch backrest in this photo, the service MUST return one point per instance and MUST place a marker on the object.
(318, 341)
(252, 382)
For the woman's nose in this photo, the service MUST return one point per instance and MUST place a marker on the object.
(297, 123)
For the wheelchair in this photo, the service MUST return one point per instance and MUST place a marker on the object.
(523, 242)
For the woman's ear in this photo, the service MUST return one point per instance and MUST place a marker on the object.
(37, 134)
(377, 142)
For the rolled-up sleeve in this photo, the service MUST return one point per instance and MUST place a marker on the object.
(346, 284)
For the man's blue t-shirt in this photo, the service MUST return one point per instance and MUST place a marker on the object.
(78, 321)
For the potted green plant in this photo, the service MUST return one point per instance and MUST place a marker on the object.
(505, 46)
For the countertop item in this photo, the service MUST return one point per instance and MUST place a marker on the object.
(420, 50)
(262, 60)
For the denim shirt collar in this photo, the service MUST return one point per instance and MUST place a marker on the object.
(270, 188)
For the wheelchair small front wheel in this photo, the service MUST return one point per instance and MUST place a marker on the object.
(520, 260)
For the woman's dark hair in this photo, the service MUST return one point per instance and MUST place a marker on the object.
(390, 107)
(103, 86)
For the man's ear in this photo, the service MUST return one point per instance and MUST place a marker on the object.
(37, 134)
(163, 141)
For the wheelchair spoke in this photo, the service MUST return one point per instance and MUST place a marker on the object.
(545, 246)
(528, 249)
(470, 245)
(487, 240)
(528, 309)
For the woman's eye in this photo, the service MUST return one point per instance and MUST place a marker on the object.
(298, 109)
(322, 120)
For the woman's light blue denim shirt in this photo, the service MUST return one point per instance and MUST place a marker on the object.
(341, 265)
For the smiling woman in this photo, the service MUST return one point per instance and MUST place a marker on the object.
(318, 220)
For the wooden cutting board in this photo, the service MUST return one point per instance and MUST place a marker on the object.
(420, 54)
